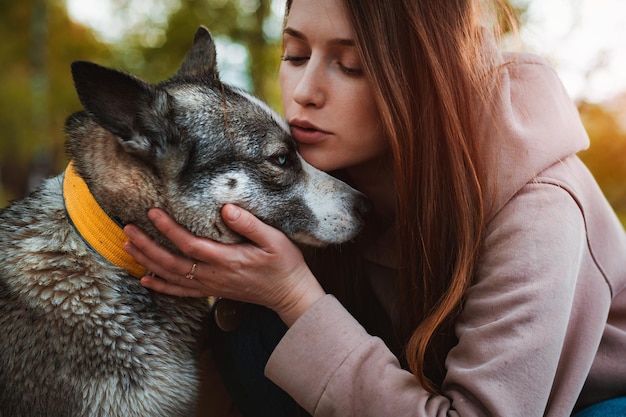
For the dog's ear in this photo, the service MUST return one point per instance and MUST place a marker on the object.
(124, 105)
(201, 60)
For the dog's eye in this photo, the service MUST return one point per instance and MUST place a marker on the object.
(280, 160)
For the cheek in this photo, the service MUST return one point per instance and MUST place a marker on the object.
(285, 86)
(368, 145)
(357, 104)
(366, 126)
(367, 109)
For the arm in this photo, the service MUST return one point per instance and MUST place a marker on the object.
(511, 333)
(270, 271)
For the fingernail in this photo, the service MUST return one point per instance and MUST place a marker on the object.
(130, 231)
(154, 214)
(231, 212)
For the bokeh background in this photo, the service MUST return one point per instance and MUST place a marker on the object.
(583, 39)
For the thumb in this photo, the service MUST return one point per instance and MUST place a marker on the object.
(246, 224)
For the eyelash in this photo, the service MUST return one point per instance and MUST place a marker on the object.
(300, 59)
(295, 59)
(351, 71)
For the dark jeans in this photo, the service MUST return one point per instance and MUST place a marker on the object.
(240, 357)
(615, 407)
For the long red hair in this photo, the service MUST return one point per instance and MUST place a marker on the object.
(429, 67)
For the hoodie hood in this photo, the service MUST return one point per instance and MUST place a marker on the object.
(532, 124)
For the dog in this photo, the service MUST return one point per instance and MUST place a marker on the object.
(79, 335)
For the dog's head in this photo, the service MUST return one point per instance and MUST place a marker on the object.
(190, 144)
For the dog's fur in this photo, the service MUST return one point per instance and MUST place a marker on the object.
(80, 336)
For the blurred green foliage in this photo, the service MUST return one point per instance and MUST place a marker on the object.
(37, 94)
(36, 91)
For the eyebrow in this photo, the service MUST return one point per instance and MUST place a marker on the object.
(334, 41)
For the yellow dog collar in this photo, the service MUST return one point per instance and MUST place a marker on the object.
(101, 232)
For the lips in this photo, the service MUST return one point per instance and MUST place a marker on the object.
(307, 133)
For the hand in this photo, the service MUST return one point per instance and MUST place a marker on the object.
(269, 271)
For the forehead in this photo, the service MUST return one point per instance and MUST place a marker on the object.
(320, 19)
(210, 102)
(219, 119)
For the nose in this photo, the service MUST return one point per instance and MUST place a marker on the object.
(310, 88)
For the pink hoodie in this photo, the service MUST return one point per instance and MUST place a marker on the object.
(543, 330)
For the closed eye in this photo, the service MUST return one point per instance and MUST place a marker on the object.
(295, 60)
(353, 72)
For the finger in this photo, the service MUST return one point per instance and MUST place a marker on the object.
(145, 251)
(188, 243)
(156, 258)
(166, 270)
(166, 287)
(247, 225)
(172, 283)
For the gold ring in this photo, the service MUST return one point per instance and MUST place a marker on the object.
(193, 269)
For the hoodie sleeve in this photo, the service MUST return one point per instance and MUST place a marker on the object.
(511, 332)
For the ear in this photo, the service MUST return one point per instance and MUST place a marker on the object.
(122, 104)
(201, 61)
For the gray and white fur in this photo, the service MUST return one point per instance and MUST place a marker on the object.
(81, 337)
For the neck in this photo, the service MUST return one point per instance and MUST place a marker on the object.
(102, 233)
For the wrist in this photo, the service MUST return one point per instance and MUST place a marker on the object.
(310, 294)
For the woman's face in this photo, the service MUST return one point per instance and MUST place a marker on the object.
(326, 98)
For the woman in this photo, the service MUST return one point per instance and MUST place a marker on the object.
(493, 269)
